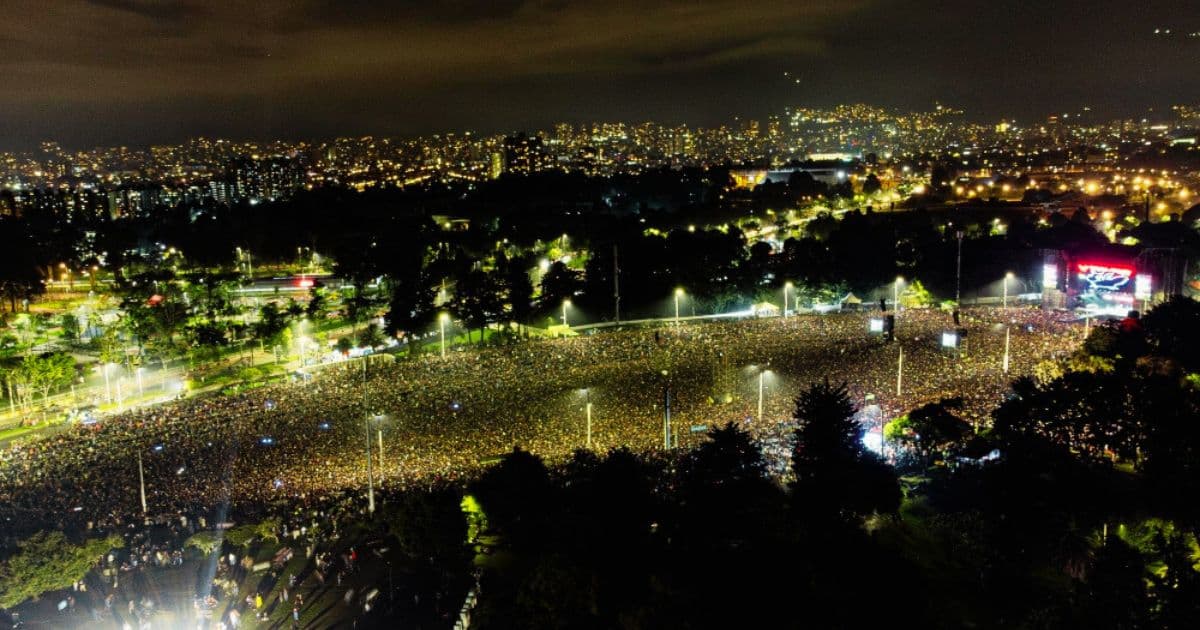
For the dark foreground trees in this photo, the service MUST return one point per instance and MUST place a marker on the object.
(48, 561)
(702, 539)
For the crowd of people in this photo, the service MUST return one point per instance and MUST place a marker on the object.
(438, 420)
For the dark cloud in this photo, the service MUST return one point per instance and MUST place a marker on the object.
(157, 70)
(323, 13)
(167, 10)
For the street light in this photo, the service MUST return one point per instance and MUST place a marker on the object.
(566, 304)
(896, 292)
(762, 374)
(666, 385)
(442, 326)
(107, 388)
(678, 294)
(1008, 276)
(587, 407)
(787, 286)
(142, 482)
(1006, 335)
(367, 427)
(379, 463)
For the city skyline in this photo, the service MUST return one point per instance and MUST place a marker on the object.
(113, 72)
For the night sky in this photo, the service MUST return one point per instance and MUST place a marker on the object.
(88, 72)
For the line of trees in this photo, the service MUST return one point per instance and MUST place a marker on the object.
(38, 375)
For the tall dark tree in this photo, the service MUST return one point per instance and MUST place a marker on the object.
(1172, 330)
(518, 289)
(558, 284)
(1176, 588)
(871, 184)
(1112, 594)
(478, 299)
(20, 278)
(516, 495)
(835, 476)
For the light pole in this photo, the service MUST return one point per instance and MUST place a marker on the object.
(442, 327)
(761, 386)
(899, 370)
(107, 387)
(141, 392)
(587, 393)
(678, 294)
(142, 482)
(896, 292)
(958, 272)
(787, 286)
(380, 456)
(1008, 276)
(1006, 335)
(666, 411)
(367, 426)
(566, 304)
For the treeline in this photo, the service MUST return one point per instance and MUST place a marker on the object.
(662, 230)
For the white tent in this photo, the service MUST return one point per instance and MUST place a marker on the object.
(766, 309)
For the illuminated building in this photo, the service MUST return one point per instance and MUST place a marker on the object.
(495, 165)
(525, 154)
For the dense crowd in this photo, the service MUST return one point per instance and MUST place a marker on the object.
(436, 420)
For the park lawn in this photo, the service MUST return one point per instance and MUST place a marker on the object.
(16, 432)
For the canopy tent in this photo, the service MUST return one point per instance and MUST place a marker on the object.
(766, 309)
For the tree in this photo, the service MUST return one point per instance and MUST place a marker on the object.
(48, 561)
(558, 284)
(207, 335)
(20, 278)
(270, 325)
(1113, 592)
(431, 524)
(477, 300)
(110, 348)
(871, 184)
(835, 476)
(70, 327)
(371, 337)
(294, 309)
(50, 372)
(916, 295)
(411, 304)
(317, 304)
(268, 529)
(932, 428)
(1176, 588)
(727, 496)
(1089, 413)
(1173, 330)
(519, 291)
(208, 542)
(242, 535)
(516, 496)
